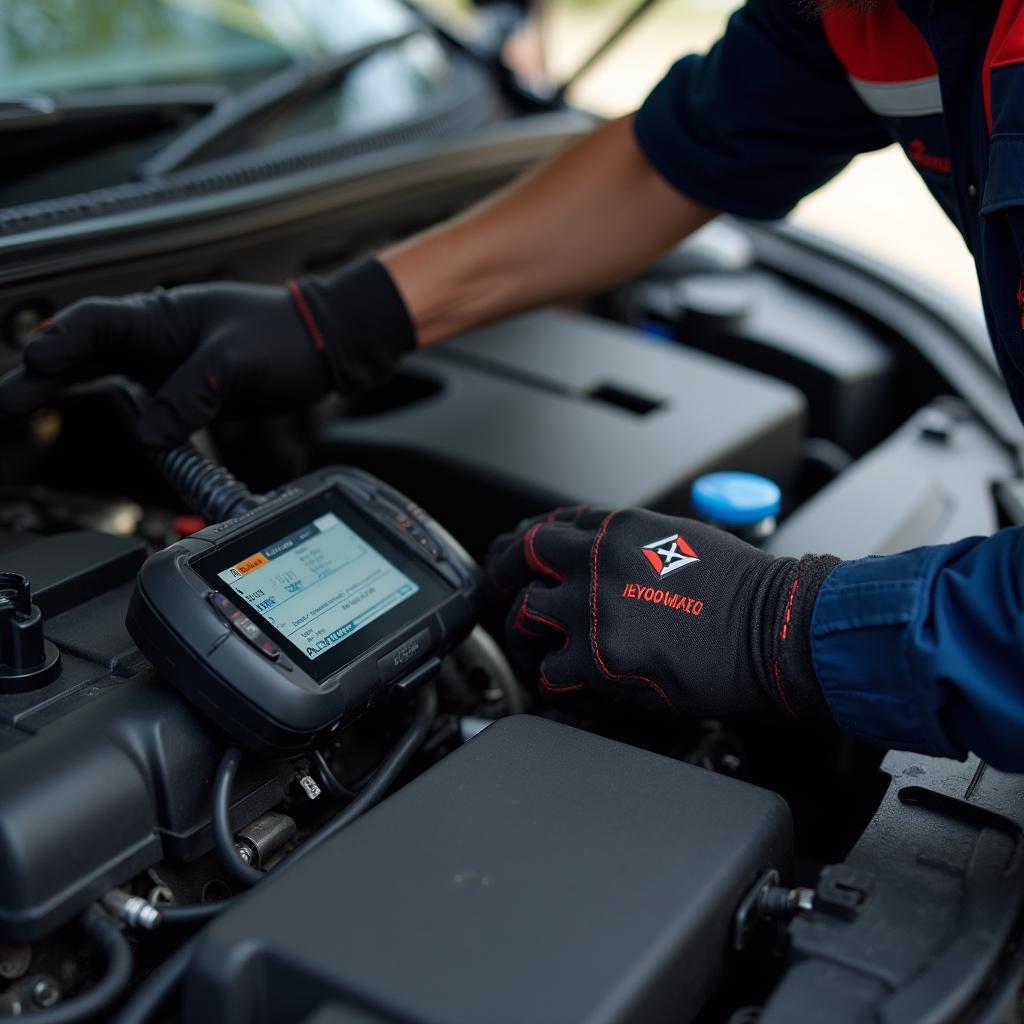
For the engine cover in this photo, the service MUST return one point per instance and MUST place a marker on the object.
(105, 771)
(557, 408)
(538, 874)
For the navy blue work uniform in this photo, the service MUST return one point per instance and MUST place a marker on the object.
(922, 650)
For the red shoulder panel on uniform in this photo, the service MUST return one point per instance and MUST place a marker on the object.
(883, 46)
(1005, 47)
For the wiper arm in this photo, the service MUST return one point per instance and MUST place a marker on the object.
(217, 132)
(24, 112)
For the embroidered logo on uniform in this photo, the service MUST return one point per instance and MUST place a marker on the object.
(1020, 300)
(669, 554)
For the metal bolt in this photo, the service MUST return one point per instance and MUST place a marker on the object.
(134, 911)
(45, 993)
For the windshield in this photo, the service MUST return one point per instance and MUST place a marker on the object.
(58, 45)
(76, 59)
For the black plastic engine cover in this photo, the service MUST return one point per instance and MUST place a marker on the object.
(539, 874)
(105, 771)
(558, 408)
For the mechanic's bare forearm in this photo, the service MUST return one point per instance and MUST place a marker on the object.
(590, 217)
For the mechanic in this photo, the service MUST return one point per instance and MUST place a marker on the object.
(921, 650)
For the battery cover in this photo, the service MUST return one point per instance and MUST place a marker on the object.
(538, 875)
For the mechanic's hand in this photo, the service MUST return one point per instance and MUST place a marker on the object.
(239, 348)
(669, 613)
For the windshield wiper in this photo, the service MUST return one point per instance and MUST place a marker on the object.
(219, 131)
(26, 112)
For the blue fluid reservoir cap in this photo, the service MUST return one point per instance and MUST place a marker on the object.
(735, 499)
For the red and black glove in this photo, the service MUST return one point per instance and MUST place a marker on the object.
(668, 613)
(236, 348)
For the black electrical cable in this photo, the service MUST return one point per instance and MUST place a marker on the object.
(334, 786)
(146, 999)
(383, 778)
(376, 787)
(194, 913)
(336, 789)
(220, 816)
(204, 486)
(101, 928)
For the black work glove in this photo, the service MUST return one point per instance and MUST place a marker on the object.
(671, 614)
(207, 348)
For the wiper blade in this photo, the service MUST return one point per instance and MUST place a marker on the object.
(217, 132)
(25, 112)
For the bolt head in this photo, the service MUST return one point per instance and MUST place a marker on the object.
(45, 993)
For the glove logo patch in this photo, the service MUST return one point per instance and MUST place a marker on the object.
(669, 554)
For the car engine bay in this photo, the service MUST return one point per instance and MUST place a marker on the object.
(529, 866)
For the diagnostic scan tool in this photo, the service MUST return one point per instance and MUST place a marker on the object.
(296, 617)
